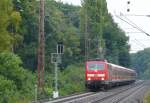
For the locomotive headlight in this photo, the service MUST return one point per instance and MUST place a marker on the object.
(89, 78)
(102, 78)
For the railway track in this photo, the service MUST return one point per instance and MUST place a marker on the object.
(65, 99)
(119, 96)
(100, 97)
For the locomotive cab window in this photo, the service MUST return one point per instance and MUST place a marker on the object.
(95, 66)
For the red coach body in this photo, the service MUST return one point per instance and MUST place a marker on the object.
(101, 74)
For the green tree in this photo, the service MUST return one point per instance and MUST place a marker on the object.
(75, 82)
(15, 78)
(8, 17)
(7, 90)
(117, 47)
(140, 62)
(29, 29)
(59, 26)
(103, 33)
(92, 18)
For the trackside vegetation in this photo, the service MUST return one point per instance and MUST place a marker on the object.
(147, 98)
(16, 83)
(72, 80)
(66, 23)
(141, 62)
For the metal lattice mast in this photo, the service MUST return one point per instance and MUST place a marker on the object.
(86, 34)
(41, 46)
(100, 41)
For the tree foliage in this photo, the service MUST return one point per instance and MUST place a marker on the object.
(141, 62)
(116, 42)
(63, 23)
(75, 82)
(92, 17)
(103, 32)
(16, 83)
(9, 23)
(59, 26)
(29, 29)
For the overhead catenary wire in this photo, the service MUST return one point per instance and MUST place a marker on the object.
(131, 23)
(134, 26)
(139, 44)
(137, 15)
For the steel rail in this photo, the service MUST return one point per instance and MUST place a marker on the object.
(61, 100)
(85, 96)
(117, 93)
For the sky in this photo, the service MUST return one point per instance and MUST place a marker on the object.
(138, 40)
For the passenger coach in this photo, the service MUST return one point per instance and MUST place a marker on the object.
(101, 74)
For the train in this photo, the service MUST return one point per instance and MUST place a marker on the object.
(100, 74)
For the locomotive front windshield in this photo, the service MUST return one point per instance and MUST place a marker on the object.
(95, 66)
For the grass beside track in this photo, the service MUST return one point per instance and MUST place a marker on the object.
(147, 98)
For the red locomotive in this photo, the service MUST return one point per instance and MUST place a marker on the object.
(101, 74)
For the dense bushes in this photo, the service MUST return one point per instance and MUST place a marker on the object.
(72, 80)
(16, 83)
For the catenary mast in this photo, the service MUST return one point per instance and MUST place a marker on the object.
(41, 46)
